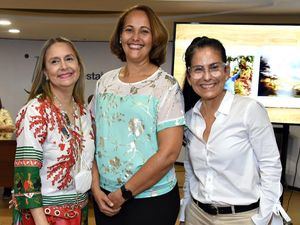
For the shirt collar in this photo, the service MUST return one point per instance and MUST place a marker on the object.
(196, 108)
(224, 107)
(226, 103)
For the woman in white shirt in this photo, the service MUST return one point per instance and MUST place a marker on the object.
(233, 165)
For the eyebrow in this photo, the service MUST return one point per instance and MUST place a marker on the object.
(208, 64)
(139, 28)
(57, 57)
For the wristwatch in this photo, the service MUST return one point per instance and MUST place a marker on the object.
(126, 194)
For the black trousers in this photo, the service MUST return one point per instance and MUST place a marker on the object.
(160, 210)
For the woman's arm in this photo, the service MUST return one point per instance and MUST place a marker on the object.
(30, 136)
(169, 146)
(263, 141)
(39, 216)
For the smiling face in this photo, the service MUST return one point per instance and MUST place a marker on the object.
(61, 67)
(209, 82)
(136, 37)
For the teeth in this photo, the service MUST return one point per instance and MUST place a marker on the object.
(135, 46)
(207, 85)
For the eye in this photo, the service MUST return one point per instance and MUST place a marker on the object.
(70, 58)
(198, 69)
(54, 61)
(214, 67)
(128, 30)
(145, 31)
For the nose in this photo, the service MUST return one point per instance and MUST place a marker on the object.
(206, 75)
(63, 64)
(135, 35)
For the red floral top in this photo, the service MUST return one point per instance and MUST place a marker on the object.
(47, 153)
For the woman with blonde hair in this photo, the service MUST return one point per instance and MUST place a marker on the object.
(55, 142)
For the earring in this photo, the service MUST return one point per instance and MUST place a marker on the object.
(120, 41)
(46, 76)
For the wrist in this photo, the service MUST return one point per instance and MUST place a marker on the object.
(126, 193)
(95, 187)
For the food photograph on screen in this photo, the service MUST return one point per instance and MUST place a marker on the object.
(241, 74)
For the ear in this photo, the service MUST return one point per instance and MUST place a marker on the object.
(188, 77)
(227, 71)
(46, 75)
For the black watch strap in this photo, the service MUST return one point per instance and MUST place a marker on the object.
(126, 194)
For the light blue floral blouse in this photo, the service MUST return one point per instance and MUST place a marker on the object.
(128, 117)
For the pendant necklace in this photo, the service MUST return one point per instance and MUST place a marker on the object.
(69, 128)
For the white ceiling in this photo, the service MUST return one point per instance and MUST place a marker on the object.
(93, 20)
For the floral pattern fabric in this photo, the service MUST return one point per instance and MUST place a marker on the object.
(48, 153)
(128, 117)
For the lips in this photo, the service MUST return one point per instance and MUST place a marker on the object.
(207, 86)
(65, 75)
(135, 46)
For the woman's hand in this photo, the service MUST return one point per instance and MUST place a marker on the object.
(117, 198)
(105, 205)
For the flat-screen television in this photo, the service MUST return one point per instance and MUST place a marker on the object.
(264, 62)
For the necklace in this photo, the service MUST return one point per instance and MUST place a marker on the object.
(69, 131)
(65, 114)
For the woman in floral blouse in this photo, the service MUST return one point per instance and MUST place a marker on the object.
(54, 141)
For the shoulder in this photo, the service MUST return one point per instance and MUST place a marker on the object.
(37, 105)
(108, 77)
(247, 102)
(250, 109)
(166, 79)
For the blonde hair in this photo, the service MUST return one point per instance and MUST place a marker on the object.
(41, 86)
(157, 54)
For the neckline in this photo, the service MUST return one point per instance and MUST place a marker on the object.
(138, 82)
(65, 115)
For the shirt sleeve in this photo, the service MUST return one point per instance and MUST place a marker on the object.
(31, 133)
(171, 108)
(263, 140)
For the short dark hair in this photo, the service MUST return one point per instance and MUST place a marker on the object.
(157, 54)
(201, 42)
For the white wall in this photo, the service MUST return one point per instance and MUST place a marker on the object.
(16, 74)
(16, 70)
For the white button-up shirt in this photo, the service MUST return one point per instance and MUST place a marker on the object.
(239, 164)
